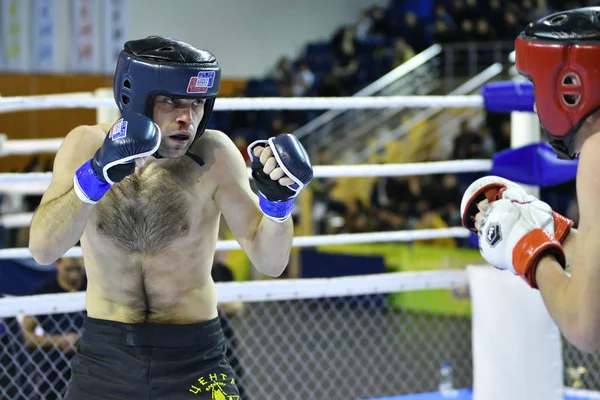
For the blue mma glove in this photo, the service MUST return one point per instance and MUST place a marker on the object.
(275, 200)
(135, 136)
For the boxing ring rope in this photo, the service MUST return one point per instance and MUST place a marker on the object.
(37, 183)
(91, 100)
(321, 171)
(271, 290)
(304, 241)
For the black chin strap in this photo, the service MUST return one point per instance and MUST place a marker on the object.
(196, 158)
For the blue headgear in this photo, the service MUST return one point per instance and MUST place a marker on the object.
(162, 66)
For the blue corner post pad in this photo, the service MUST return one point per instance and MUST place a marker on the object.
(507, 96)
(535, 165)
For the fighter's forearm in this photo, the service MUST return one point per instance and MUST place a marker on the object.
(569, 303)
(554, 286)
(271, 246)
(569, 245)
(56, 227)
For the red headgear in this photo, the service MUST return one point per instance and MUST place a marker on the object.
(560, 54)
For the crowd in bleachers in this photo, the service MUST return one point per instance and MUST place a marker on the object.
(387, 38)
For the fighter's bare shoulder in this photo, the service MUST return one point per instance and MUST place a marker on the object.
(86, 137)
(221, 145)
(214, 139)
(81, 143)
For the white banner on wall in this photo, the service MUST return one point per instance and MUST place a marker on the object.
(44, 54)
(14, 35)
(114, 32)
(84, 29)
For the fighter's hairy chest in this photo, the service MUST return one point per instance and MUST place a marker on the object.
(152, 209)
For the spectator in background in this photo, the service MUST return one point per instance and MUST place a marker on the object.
(344, 45)
(331, 86)
(276, 127)
(52, 338)
(503, 139)
(442, 33)
(458, 11)
(495, 14)
(466, 31)
(511, 28)
(483, 31)
(414, 32)
(402, 52)
(381, 29)
(357, 217)
(472, 10)
(488, 145)
(468, 144)
(323, 205)
(34, 165)
(446, 195)
(303, 80)
(363, 26)
(441, 14)
(283, 73)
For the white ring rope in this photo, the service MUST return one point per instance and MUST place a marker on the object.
(304, 241)
(320, 171)
(268, 290)
(21, 220)
(90, 100)
(28, 146)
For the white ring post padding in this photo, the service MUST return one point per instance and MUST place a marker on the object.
(517, 348)
(525, 130)
(23, 103)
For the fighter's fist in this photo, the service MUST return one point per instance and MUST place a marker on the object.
(129, 139)
(281, 168)
(270, 167)
(514, 235)
(514, 228)
(491, 188)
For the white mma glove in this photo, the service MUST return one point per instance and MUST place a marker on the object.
(516, 228)
(515, 235)
(493, 188)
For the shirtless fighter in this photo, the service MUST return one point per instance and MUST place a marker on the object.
(560, 54)
(145, 196)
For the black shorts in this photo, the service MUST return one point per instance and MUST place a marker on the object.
(151, 361)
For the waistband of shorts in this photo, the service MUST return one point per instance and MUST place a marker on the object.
(206, 333)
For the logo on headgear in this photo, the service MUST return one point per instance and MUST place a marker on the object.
(201, 82)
